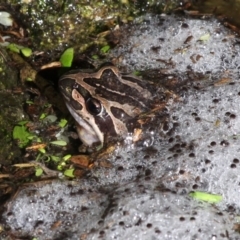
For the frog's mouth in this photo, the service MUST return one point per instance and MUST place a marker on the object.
(88, 134)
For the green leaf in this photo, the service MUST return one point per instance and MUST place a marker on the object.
(65, 158)
(31, 137)
(27, 52)
(38, 171)
(69, 172)
(21, 133)
(207, 197)
(95, 57)
(67, 57)
(105, 49)
(59, 143)
(42, 150)
(59, 168)
(13, 47)
(55, 158)
(43, 115)
(62, 123)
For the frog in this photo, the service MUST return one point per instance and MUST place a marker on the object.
(109, 105)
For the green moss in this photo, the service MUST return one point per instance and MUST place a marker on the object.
(56, 25)
(10, 112)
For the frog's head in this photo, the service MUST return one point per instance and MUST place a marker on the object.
(103, 103)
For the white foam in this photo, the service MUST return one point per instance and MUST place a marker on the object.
(159, 39)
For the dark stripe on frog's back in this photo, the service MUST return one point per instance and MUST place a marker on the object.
(142, 83)
(157, 90)
(116, 91)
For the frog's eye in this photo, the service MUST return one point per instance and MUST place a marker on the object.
(93, 106)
